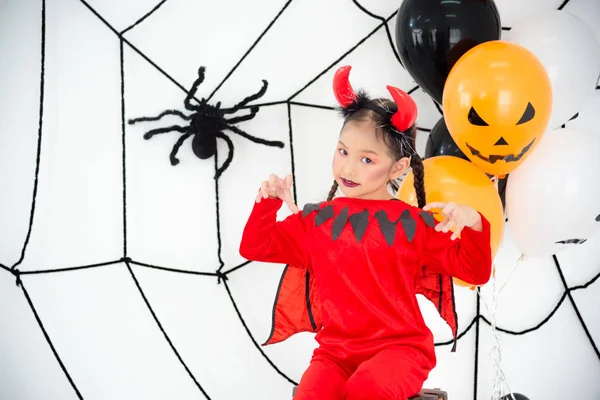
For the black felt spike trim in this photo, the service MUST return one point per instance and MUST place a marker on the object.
(359, 222)
(387, 227)
(310, 207)
(428, 218)
(339, 223)
(324, 215)
(408, 224)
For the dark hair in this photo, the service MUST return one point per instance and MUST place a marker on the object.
(400, 145)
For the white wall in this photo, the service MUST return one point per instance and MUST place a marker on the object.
(105, 322)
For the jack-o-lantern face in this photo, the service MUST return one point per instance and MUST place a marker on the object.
(497, 104)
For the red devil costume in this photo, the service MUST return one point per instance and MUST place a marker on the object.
(353, 269)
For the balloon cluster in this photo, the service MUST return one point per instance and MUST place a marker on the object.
(504, 102)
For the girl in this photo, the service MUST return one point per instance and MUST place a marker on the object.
(356, 263)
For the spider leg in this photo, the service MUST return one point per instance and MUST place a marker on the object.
(248, 99)
(177, 128)
(175, 160)
(229, 155)
(188, 105)
(273, 143)
(243, 118)
(159, 116)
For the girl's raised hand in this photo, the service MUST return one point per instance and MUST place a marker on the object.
(456, 216)
(278, 188)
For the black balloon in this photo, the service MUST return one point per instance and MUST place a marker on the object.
(517, 396)
(431, 35)
(502, 191)
(440, 142)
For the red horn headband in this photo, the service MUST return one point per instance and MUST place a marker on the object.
(402, 119)
(407, 112)
(342, 89)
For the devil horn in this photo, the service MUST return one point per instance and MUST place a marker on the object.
(406, 115)
(342, 89)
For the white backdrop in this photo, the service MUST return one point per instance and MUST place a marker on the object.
(146, 317)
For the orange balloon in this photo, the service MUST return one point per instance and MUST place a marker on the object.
(458, 282)
(497, 103)
(452, 179)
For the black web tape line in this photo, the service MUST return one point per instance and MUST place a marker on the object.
(264, 32)
(438, 107)
(361, 41)
(296, 103)
(39, 140)
(216, 275)
(281, 373)
(220, 274)
(123, 148)
(563, 5)
(168, 269)
(413, 89)
(237, 267)
(477, 333)
(385, 24)
(574, 304)
(139, 21)
(138, 51)
(162, 71)
(45, 333)
(70, 269)
(292, 160)
(474, 322)
(566, 293)
(173, 348)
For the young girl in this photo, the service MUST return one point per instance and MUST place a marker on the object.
(356, 263)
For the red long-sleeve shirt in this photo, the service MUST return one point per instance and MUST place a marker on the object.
(365, 268)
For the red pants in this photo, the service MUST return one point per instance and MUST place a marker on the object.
(395, 373)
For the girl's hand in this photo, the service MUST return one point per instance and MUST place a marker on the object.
(278, 188)
(457, 216)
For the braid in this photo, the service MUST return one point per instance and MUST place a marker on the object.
(333, 190)
(419, 178)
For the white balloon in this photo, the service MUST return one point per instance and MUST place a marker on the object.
(568, 49)
(553, 198)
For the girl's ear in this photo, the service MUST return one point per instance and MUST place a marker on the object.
(399, 168)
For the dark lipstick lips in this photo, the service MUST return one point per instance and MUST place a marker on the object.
(348, 183)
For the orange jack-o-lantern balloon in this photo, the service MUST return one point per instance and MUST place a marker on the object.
(497, 103)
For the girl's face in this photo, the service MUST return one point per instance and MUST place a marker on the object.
(362, 165)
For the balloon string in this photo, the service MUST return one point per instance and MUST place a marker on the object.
(495, 179)
(499, 380)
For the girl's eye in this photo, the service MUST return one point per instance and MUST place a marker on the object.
(367, 160)
(342, 152)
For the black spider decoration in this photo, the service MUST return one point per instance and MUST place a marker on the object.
(207, 123)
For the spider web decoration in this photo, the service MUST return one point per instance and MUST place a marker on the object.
(168, 283)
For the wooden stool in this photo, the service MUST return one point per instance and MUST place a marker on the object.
(430, 394)
(424, 394)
